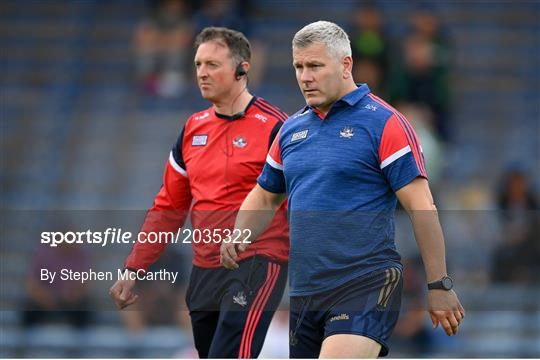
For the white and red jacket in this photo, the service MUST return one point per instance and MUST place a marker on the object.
(211, 169)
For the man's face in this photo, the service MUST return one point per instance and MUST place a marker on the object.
(215, 70)
(319, 75)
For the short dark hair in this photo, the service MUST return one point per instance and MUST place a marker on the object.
(237, 43)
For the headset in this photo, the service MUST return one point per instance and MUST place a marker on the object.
(240, 71)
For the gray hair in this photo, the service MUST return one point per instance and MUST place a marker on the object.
(334, 37)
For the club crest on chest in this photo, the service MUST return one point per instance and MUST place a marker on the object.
(347, 132)
(240, 142)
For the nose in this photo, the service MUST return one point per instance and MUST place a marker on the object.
(306, 76)
(201, 72)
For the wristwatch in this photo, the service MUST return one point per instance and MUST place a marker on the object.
(445, 283)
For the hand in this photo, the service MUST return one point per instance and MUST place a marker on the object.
(445, 308)
(229, 254)
(122, 293)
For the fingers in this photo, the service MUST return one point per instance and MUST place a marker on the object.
(449, 321)
(454, 323)
(447, 327)
(434, 320)
(461, 310)
(130, 301)
(458, 315)
(125, 294)
(446, 309)
(231, 249)
(122, 295)
(114, 291)
(228, 256)
(115, 295)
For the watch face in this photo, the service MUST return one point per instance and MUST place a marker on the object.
(447, 283)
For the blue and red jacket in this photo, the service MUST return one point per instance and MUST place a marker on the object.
(341, 172)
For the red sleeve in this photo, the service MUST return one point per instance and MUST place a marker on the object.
(168, 213)
(398, 139)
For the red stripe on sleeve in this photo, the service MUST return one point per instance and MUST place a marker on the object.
(283, 114)
(270, 111)
(415, 144)
(412, 139)
(393, 139)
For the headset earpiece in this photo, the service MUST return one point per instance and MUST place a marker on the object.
(240, 71)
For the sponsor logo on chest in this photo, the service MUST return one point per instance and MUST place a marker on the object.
(300, 135)
(261, 117)
(199, 140)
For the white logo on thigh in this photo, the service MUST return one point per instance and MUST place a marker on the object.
(240, 299)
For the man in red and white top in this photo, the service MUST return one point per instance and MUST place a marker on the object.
(212, 167)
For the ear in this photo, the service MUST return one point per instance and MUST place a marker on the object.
(347, 63)
(241, 70)
(246, 66)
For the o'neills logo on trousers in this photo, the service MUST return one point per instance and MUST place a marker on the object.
(339, 317)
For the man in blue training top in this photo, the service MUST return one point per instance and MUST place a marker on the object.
(343, 161)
